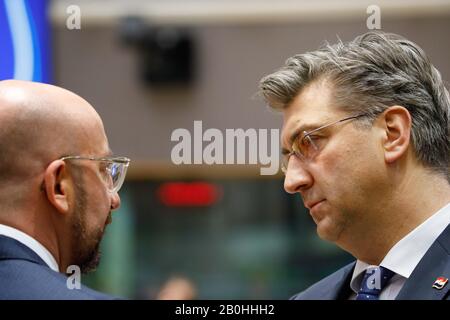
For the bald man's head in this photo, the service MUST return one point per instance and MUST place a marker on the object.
(40, 123)
(65, 204)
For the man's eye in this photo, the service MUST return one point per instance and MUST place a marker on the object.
(311, 142)
(105, 167)
(314, 138)
(306, 141)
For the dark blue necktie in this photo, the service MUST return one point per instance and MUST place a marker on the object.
(375, 279)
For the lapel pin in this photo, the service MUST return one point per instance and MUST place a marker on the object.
(440, 283)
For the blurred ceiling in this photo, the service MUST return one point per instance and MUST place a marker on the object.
(241, 12)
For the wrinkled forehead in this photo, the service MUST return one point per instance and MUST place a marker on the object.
(312, 108)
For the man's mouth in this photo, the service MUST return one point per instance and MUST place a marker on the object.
(311, 204)
(109, 220)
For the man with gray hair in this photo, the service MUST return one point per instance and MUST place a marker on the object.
(366, 143)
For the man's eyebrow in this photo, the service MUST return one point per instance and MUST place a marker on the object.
(309, 127)
(300, 129)
(296, 133)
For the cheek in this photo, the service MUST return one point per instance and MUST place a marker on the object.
(348, 174)
(102, 203)
(99, 194)
(98, 207)
(330, 172)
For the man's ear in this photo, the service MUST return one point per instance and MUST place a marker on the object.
(396, 123)
(57, 188)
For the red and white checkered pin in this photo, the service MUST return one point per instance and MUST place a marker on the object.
(440, 283)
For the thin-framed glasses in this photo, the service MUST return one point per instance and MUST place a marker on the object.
(113, 170)
(304, 146)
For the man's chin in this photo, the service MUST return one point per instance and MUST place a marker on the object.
(90, 260)
(91, 263)
(327, 230)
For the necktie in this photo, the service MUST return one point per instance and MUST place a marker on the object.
(375, 279)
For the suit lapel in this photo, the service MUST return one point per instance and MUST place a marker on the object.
(434, 264)
(343, 289)
(12, 249)
(341, 285)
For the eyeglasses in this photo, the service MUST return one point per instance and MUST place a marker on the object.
(113, 170)
(306, 145)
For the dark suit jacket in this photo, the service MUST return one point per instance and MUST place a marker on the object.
(23, 275)
(419, 286)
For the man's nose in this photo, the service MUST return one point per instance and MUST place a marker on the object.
(297, 177)
(115, 201)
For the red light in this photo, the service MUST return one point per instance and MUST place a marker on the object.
(188, 194)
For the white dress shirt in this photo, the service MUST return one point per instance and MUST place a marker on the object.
(405, 255)
(31, 243)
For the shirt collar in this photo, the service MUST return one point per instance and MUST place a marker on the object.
(406, 254)
(31, 243)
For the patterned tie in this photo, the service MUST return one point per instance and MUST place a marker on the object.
(375, 279)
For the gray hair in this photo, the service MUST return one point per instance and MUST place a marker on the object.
(367, 75)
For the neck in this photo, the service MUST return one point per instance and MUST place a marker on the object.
(414, 200)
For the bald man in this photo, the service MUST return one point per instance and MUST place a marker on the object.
(58, 187)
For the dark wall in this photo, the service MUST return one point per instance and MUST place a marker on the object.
(230, 61)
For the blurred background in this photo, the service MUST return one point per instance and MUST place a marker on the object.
(150, 67)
